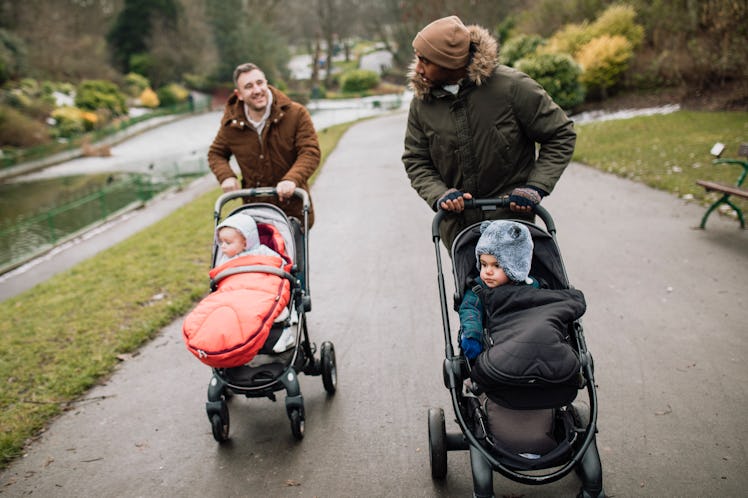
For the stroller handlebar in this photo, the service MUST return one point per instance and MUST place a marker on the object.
(492, 205)
(257, 192)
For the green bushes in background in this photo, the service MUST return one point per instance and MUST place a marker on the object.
(558, 74)
(93, 95)
(579, 59)
(172, 94)
(519, 47)
(358, 80)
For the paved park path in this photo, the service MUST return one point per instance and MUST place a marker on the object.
(666, 323)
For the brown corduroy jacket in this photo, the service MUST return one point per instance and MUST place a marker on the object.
(288, 150)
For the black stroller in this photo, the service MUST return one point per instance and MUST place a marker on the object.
(574, 424)
(272, 369)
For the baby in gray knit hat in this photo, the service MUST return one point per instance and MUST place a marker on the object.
(503, 256)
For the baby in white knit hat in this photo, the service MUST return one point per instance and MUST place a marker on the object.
(237, 235)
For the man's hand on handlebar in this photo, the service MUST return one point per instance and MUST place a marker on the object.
(524, 199)
(453, 200)
(285, 189)
(230, 184)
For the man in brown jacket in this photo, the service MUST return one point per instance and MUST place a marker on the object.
(272, 138)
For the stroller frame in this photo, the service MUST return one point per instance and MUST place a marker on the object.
(585, 459)
(223, 385)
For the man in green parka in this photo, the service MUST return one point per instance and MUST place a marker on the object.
(474, 125)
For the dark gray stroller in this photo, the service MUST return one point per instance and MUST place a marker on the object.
(273, 369)
(573, 425)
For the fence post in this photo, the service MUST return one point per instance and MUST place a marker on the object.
(102, 203)
(51, 226)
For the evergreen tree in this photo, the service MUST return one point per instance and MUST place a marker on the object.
(132, 30)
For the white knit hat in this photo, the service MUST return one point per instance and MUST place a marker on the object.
(510, 243)
(246, 225)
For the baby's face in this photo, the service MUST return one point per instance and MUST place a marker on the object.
(231, 241)
(490, 272)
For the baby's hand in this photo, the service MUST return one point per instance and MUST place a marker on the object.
(471, 348)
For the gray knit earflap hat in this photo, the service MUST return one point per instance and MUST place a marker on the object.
(510, 243)
(246, 225)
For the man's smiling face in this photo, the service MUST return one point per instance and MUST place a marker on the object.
(252, 88)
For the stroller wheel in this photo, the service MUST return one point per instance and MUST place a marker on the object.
(329, 367)
(220, 426)
(437, 443)
(297, 424)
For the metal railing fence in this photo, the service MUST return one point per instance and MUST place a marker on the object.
(27, 238)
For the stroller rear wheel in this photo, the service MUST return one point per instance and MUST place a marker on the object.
(329, 367)
(437, 443)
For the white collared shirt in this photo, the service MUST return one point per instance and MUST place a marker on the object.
(260, 125)
(453, 89)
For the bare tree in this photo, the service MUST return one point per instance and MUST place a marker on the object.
(335, 18)
(67, 41)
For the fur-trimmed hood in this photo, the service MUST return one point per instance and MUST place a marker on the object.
(481, 66)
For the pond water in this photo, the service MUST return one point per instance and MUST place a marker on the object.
(47, 212)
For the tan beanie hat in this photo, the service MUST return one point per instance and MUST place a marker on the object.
(445, 42)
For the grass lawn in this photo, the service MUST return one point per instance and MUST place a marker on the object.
(668, 152)
(65, 335)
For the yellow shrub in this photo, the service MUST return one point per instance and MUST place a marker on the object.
(68, 121)
(616, 20)
(604, 59)
(148, 98)
(619, 20)
(568, 39)
(90, 119)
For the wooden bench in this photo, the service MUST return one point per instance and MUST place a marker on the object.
(727, 190)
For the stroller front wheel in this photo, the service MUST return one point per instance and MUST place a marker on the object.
(297, 424)
(437, 443)
(220, 426)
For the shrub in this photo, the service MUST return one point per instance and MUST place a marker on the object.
(30, 97)
(68, 122)
(568, 39)
(615, 20)
(619, 20)
(519, 47)
(603, 61)
(148, 98)
(558, 74)
(19, 130)
(358, 80)
(141, 63)
(200, 82)
(172, 94)
(99, 94)
(135, 84)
